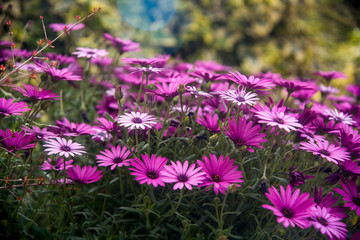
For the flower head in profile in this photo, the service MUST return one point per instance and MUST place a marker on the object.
(64, 74)
(350, 194)
(84, 175)
(239, 96)
(183, 175)
(220, 173)
(35, 94)
(84, 52)
(149, 170)
(210, 122)
(330, 75)
(115, 157)
(121, 45)
(290, 208)
(243, 133)
(251, 82)
(15, 141)
(38, 133)
(8, 107)
(63, 147)
(277, 117)
(328, 224)
(331, 152)
(56, 164)
(137, 120)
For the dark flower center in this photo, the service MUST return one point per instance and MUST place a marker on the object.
(39, 135)
(183, 178)
(3, 110)
(240, 99)
(288, 213)
(11, 148)
(278, 120)
(239, 142)
(216, 178)
(152, 174)
(118, 160)
(356, 200)
(324, 152)
(322, 221)
(338, 119)
(137, 120)
(65, 148)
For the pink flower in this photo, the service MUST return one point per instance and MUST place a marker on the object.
(220, 173)
(239, 96)
(84, 52)
(57, 165)
(63, 147)
(137, 120)
(8, 107)
(250, 82)
(64, 74)
(115, 157)
(34, 93)
(290, 208)
(149, 170)
(60, 27)
(16, 141)
(85, 175)
(183, 175)
(210, 122)
(350, 194)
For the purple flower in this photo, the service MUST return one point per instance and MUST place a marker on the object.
(330, 75)
(149, 170)
(183, 175)
(84, 175)
(16, 141)
(60, 27)
(115, 157)
(350, 193)
(328, 224)
(152, 65)
(59, 74)
(197, 93)
(56, 165)
(293, 85)
(84, 52)
(8, 107)
(297, 178)
(122, 46)
(239, 96)
(34, 93)
(137, 120)
(276, 117)
(244, 134)
(331, 152)
(210, 122)
(207, 76)
(327, 202)
(290, 208)
(38, 133)
(220, 173)
(339, 117)
(166, 91)
(251, 82)
(63, 147)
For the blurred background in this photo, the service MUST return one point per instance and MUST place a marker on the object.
(292, 37)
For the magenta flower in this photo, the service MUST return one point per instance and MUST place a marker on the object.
(183, 175)
(293, 85)
(59, 74)
(84, 52)
(166, 91)
(122, 46)
(330, 75)
(328, 224)
(63, 147)
(297, 178)
(38, 133)
(149, 170)
(339, 117)
(331, 152)
(56, 165)
(115, 157)
(290, 208)
(244, 134)
(60, 27)
(210, 122)
(197, 93)
(8, 107)
(151, 65)
(239, 96)
(34, 93)
(137, 120)
(16, 141)
(207, 76)
(220, 173)
(277, 117)
(85, 175)
(250, 82)
(350, 194)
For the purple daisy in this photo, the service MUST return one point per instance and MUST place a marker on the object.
(59, 74)
(121, 45)
(84, 52)
(339, 117)
(137, 120)
(331, 152)
(84, 175)
(290, 208)
(34, 93)
(330, 75)
(350, 194)
(297, 178)
(115, 157)
(151, 65)
(220, 173)
(244, 134)
(328, 224)
(63, 147)
(149, 170)
(210, 122)
(166, 91)
(251, 82)
(239, 96)
(38, 132)
(207, 76)
(183, 175)
(56, 165)
(277, 117)
(197, 93)
(8, 107)
(16, 141)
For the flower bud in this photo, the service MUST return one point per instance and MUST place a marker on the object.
(181, 89)
(216, 201)
(118, 92)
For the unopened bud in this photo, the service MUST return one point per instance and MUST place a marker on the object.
(181, 89)
(309, 105)
(213, 139)
(232, 188)
(216, 201)
(118, 92)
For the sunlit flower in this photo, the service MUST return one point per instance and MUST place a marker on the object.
(340, 117)
(137, 120)
(63, 147)
(84, 52)
(8, 107)
(239, 96)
